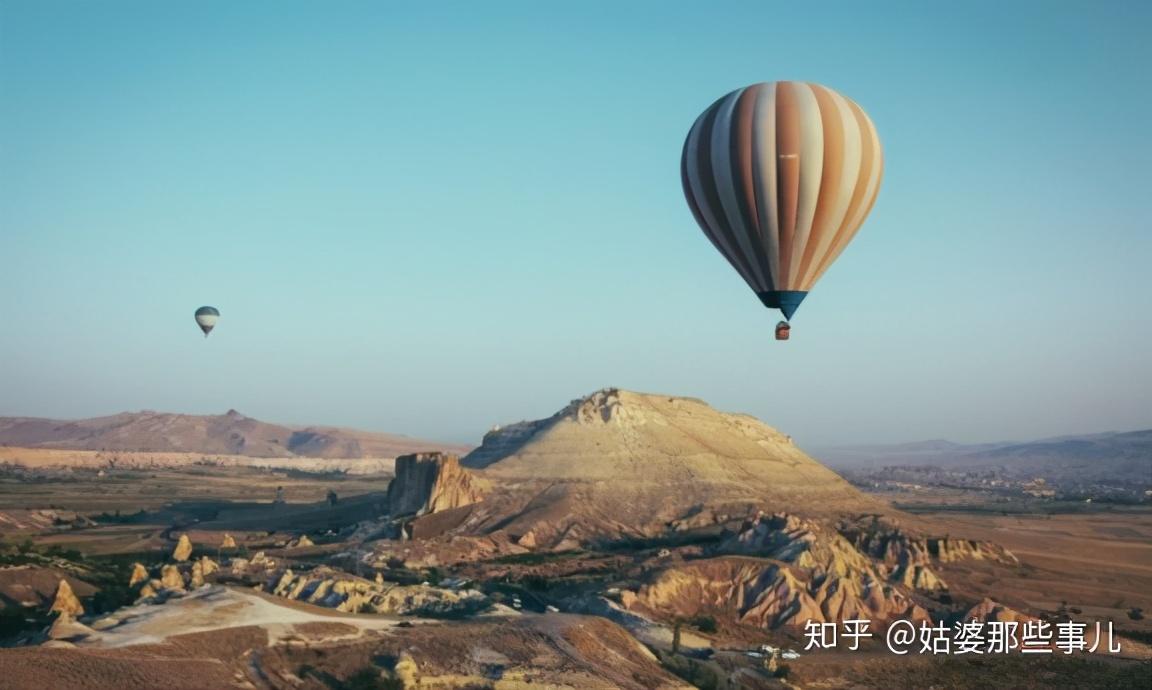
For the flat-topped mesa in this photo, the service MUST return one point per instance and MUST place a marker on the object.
(432, 482)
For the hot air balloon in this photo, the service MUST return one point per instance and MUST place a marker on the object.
(206, 318)
(780, 176)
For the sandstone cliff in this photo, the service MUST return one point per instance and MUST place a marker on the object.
(432, 482)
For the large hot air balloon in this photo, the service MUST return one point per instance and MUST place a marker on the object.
(780, 176)
(206, 318)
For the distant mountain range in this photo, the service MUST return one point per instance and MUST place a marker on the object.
(1092, 456)
(231, 433)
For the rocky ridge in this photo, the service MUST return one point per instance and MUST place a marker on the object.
(909, 557)
(321, 586)
(231, 433)
(783, 570)
(336, 589)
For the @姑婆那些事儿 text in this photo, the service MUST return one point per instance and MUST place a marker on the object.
(966, 637)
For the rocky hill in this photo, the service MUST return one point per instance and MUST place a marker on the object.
(737, 522)
(231, 433)
(635, 439)
(618, 465)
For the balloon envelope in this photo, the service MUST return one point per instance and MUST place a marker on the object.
(780, 176)
(206, 318)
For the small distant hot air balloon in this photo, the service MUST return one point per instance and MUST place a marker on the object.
(780, 176)
(206, 318)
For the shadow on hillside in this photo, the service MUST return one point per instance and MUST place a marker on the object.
(220, 515)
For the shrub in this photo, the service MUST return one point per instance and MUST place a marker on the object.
(705, 624)
(369, 678)
(696, 673)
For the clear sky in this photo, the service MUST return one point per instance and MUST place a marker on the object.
(433, 217)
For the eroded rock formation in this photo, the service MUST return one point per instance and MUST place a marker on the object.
(139, 574)
(910, 557)
(200, 569)
(989, 610)
(432, 482)
(792, 570)
(770, 594)
(336, 589)
(302, 542)
(66, 603)
(183, 550)
(171, 578)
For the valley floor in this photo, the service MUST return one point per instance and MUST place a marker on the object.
(1096, 565)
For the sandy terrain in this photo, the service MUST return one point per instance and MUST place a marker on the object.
(1100, 564)
(218, 608)
(223, 637)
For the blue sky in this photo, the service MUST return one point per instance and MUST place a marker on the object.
(434, 217)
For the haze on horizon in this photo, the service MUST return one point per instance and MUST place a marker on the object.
(429, 220)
